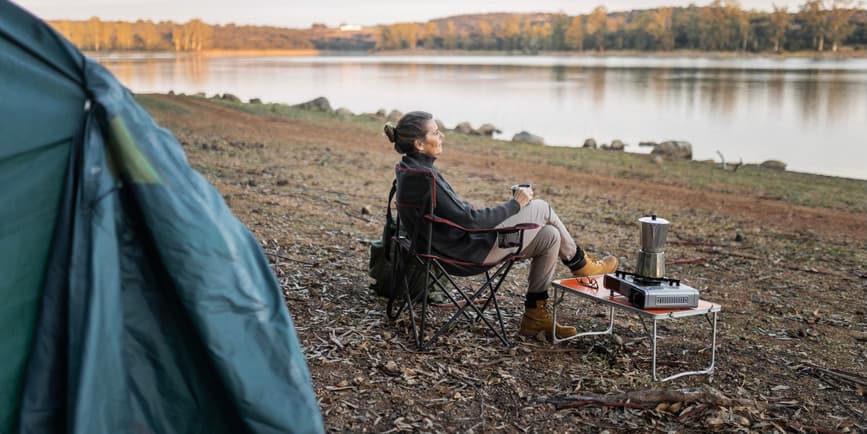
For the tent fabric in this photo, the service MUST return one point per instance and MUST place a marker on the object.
(132, 299)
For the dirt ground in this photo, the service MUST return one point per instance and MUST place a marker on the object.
(792, 342)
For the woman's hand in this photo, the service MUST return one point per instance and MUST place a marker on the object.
(524, 196)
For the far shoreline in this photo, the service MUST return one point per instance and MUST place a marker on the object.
(844, 55)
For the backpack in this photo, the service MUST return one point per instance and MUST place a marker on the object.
(383, 254)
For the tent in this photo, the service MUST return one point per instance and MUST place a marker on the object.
(131, 299)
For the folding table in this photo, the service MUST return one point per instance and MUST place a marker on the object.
(592, 289)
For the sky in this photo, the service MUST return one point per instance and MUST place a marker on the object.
(301, 14)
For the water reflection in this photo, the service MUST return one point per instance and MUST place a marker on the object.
(754, 110)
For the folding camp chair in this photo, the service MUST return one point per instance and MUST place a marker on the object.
(414, 244)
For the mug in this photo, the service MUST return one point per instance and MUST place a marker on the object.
(515, 188)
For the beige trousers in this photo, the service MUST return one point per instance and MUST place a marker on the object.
(551, 241)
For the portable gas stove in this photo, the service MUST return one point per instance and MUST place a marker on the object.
(648, 293)
(648, 288)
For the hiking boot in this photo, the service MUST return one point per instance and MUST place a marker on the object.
(537, 319)
(595, 266)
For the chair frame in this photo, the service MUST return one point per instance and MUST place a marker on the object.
(438, 267)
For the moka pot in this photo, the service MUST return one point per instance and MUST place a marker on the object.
(651, 257)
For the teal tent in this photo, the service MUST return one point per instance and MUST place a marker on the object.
(131, 299)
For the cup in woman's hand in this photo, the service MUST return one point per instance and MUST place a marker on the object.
(517, 187)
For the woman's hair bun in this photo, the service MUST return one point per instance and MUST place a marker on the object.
(390, 132)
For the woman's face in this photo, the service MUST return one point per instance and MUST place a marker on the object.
(432, 145)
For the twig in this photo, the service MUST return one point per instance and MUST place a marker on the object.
(687, 260)
(798, 427)
(288, 259)
(757, 258)
(852, 378)
(697, 243)
(647, 399)
(721, 157)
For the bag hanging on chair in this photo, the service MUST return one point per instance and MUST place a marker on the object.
(383, 254)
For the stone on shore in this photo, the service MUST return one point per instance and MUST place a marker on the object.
(488, 130)
(464, 128)
(231, 98)
(394, 116)
(526, 137)
(616, 145)
(773, 165)
(673, 149)
(590, 143)
(344, 112)
(318, 104)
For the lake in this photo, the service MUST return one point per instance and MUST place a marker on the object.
(809, 113)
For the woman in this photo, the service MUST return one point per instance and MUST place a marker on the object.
(418, 138)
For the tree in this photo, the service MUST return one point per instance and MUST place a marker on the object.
(779, 25)
(663, 28)
(431, 32)
(97, 34)
(839, 26)
(574, 37)
(450, 37)
(813, 15)
(485, 32)
(559, 25)
(597, 24)
(123, 37)
(512, 32)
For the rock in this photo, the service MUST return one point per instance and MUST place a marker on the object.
(673, 149)
(231, 98)
(464, 128)
(171, 92)
(440, 125)
(773, 165)
(344, 112)
(616, 145)
(318, 104)
(255, 101)
(381, 113)
(658, 160)
(647, 144)
(526, 137)
(739, 237)
(394, 116)
(488, 130)
(590, 143)
(365, 210)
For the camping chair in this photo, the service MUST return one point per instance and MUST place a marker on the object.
(413, 241)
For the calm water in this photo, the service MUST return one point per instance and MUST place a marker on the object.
(811, 114)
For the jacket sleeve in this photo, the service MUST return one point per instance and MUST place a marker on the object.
(451, 207)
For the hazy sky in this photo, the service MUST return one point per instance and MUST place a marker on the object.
(294, 13)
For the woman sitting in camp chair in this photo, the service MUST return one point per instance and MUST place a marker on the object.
(418, 138)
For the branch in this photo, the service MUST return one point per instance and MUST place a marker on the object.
(289, 259)
(648, 399)
(721, 157)
(845, 376)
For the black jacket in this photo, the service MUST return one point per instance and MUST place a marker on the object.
(415, 176)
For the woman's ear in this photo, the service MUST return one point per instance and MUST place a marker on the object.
(418, 145)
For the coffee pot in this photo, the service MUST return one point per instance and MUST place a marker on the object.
(651, 257)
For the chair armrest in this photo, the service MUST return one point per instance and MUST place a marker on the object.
(520, 227)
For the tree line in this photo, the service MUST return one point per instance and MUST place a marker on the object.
(721, 26)
(194, 35)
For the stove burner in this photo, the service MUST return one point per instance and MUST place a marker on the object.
(648, 281)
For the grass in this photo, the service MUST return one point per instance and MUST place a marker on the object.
(816, 191)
